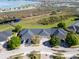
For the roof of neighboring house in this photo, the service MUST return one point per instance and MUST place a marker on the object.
(22, 32)
(36, 31)
(48, 30)
(77, 28)
(76, 23)
(43, 33)
(28, 33)
(58, 31)
(61, 33)
(72, 28)
(4, 35)
(7, 33)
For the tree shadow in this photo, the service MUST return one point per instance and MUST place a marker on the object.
(46, 43)
(5, 45)
(62, 44)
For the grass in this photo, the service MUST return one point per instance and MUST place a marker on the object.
(5, 27)
(32, 26)
(31, 23)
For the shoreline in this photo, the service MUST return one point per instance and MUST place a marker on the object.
(15, 9)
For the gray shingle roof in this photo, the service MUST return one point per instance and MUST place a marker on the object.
(72, 28)
(48, 30)
(4, 35)
(60, 33)
(43, 33)
(77, 28)
(28, 33)
(23, 32)
(35, 31)
(76, 23)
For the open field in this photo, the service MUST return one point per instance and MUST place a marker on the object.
(5, 27)
(31, 23)
(24, 13)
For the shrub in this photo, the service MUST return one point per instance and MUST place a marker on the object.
(72, 39)
(17, 28)
(61, 25)
(54, 41)
(14, 42)
(76, 18)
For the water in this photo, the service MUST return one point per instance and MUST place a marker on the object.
(14, 3)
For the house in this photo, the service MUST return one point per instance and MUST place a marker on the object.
(4, 36)
(60, 33)
(27, 34)
(36, 31)
(43, 32)
(74, 27)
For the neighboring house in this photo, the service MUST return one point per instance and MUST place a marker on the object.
(44, 33)
(60, 33)
(27, 34)
(77, 26)
(4, 36)
(74, 27)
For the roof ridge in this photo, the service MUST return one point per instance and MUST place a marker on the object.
(29, 31)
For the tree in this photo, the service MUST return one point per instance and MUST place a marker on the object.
(17, 28)
(72, 39)
(14, 42)
(76, 19)
(54, 41)
(61, 25)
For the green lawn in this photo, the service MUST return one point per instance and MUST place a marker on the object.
(25, 25)
(32, 25)
(5, 27)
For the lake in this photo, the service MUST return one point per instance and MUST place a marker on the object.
(14, 3)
